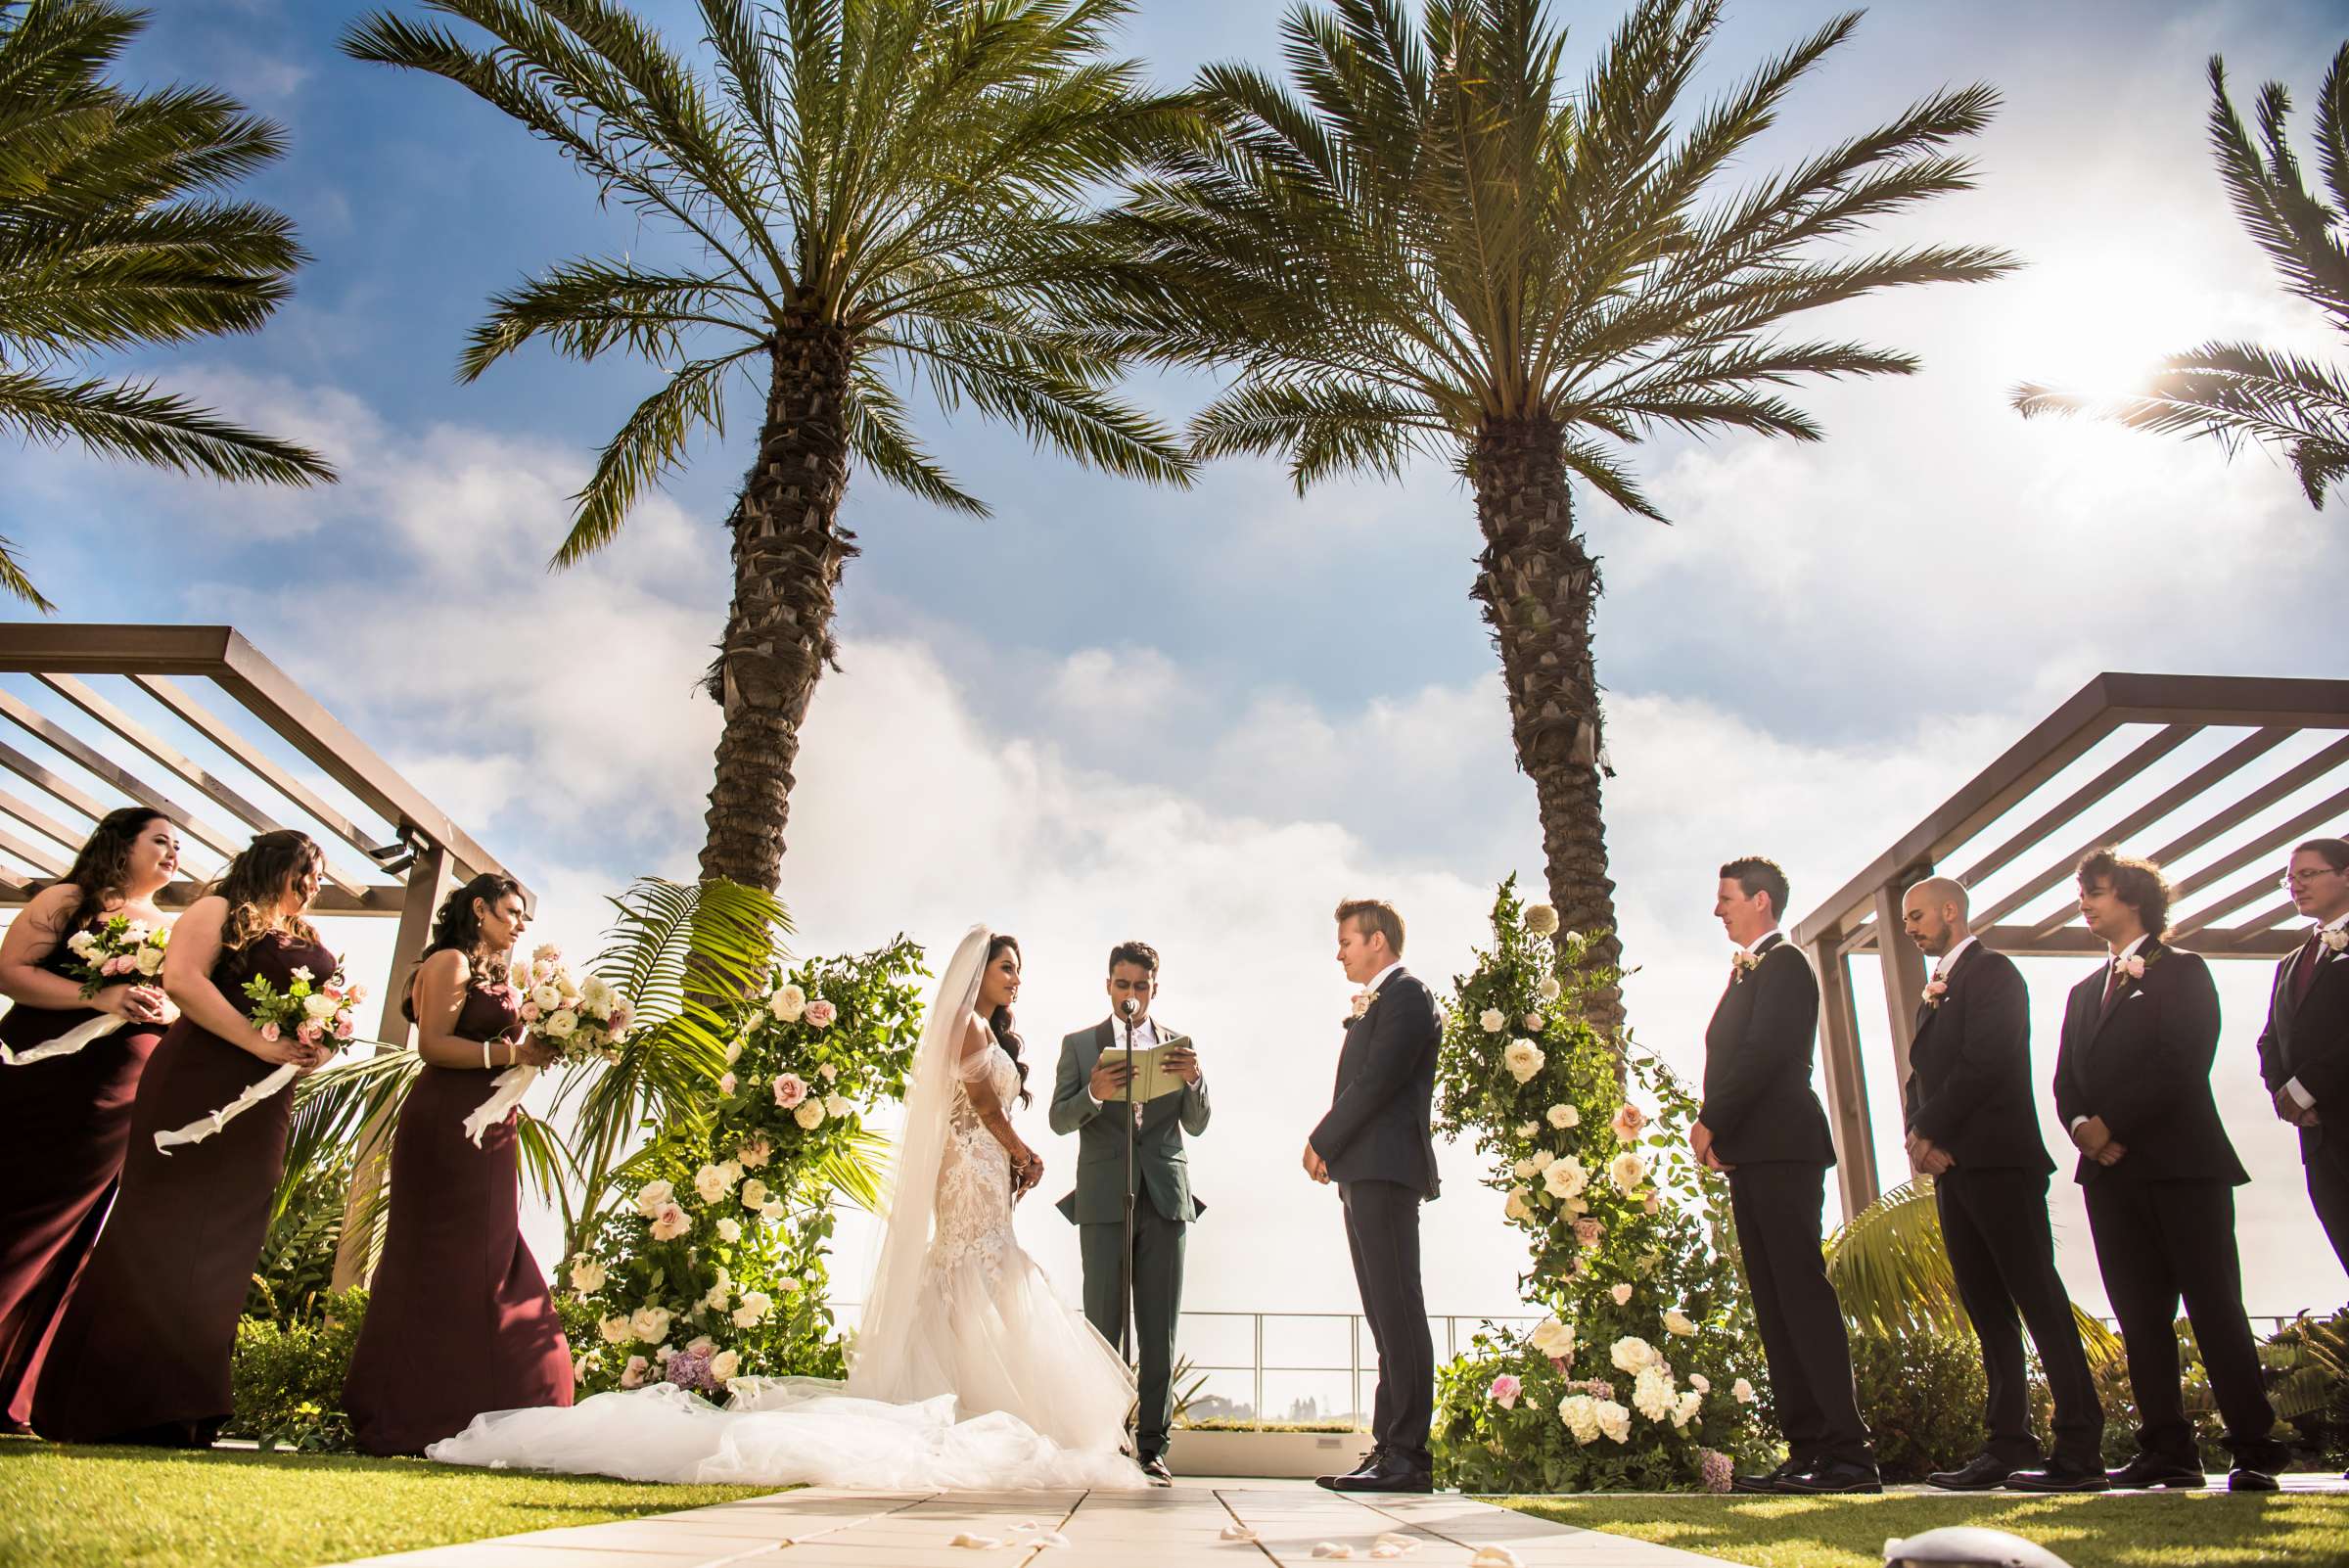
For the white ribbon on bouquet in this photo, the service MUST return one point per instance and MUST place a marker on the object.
(204, 1127)
(506, 1092)
(73, 1040)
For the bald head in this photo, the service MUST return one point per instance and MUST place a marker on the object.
(1933, 912)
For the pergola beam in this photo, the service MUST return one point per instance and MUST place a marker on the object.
(2141, 756)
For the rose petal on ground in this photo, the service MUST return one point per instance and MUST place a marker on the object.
(1236, 1532)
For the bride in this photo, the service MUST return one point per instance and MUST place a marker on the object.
(968, 1372)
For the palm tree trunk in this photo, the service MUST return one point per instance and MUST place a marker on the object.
(1539, 587)
(789, 552)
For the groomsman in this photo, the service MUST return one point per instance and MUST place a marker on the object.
(2304, 1051)
(1761, 1123)
(1087, 1090)
(2133, 1085)
(1973, 1128)
(1377, 1144)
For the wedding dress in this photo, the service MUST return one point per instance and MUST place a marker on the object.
(970, 1371)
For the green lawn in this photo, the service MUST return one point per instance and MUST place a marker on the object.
(2208, 1529)
(100, 1507)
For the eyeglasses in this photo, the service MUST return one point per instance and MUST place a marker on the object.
(2301, 879)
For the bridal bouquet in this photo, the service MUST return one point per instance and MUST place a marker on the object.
(579, 1021)
(314, 1013)
(122, 952)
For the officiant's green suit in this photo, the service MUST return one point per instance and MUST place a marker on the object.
(1162, 1213)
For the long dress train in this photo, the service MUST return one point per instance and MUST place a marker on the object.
(1030, 1395)
(141, 1351)
(458, 1319)
(63, 1124)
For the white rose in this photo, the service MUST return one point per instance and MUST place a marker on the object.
(1652, 1392)
(1565, 1177)
(1549, 989)
(1628, 1170)
(1700, 1382)
(734, 1053)
(615, 1330)
(597, 994)
(729, 1230)
(756, 1305)
(1622, 1294)
(586, 1274)
(1553, 1338)
(1630, 1353)
(1743, 1392)
(1683, 1409)
(1540, 919)
(1563, 1117)
(151, 960)
(710, 1182)
(651, 1196)
(754, 1193)
(829, 1073)
(837, 1105)
(1614, 1421)
(1543, 1158)
(547, 995)
(1515, 1208)
(787, 1285)
(717, 1298)
(669, 1223)
(82, 943)
(1534, 1021)
(811, 1113)
(1676, 1321)
(632, 1375)
(1579, 1413)
(787, 1004)
(1523, 1169)
(318, 1007)
(1525, 1129)
(560, 1023)
(724, 1365)
(1492, 1020)
(771, 1209)
(650, 1322)
(1522, 1059)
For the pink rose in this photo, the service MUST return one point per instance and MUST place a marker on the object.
(1628, 1122)
(357, 994)
(117, 965)
(1588, 1230)
(530, 1012)
(1559, 1362)
(308, 1033)
(725, 1083)
(790, 1090)
(1505, 1390)
(270, 1032)
(821, 1013)
(342, 1029)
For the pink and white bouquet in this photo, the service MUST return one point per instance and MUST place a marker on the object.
(580, 1021)
(315, 1012)
(120, 951)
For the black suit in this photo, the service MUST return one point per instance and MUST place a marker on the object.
(1766, 1123)
(1380, 1148)
(2139, 1056)
(1969, 1091)
(2307, 1039)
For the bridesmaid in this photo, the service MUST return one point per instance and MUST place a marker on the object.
(63, 1120)
(141, 1351)
(459, 1320)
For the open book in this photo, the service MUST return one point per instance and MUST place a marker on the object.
(1152, 1078)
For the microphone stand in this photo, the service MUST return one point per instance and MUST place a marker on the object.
(1128, 1329)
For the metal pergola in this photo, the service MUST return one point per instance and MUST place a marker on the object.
(195, 722)
(2222, 822)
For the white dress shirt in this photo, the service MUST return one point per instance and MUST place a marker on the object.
(1380, 978)
(2300, 1096)
(1949, 960)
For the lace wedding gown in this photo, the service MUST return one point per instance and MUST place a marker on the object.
(1000, 1385)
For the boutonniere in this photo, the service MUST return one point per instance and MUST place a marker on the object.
(2134, 966)
(2336, 940)
(1934, 992)
(1742, 965)
(1361, 1004)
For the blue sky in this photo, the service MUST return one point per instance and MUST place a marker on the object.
(1201, 716)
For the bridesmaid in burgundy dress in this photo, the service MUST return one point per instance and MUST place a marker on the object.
(459, 1320)
(141, 1354)
(63, 1120)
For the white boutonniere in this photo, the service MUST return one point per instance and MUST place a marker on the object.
(2133, 966)
(1742, 965)
(2336, 940)
(1934, 992)
(1362, 1001)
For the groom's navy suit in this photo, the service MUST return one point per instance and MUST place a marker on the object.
(1379, 1144)
(1766, 1121)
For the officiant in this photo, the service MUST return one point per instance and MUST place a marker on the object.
(1089, 1099)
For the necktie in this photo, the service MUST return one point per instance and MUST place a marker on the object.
(2112, 981)
(2304, 971)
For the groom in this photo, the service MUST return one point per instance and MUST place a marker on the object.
(1084, 1101)
(1376, 1145)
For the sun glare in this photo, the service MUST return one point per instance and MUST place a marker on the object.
(2082, 332)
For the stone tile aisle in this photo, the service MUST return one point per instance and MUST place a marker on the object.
(1177, 1528)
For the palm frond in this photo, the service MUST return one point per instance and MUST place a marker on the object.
(127, 419)
(649, 447)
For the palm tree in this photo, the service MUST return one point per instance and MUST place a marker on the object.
(869, 186)
(110, 237)
(1432, 245)
(2240, 392)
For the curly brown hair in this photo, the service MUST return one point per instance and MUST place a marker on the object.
(2136, 882)
(255, 884)
(102, 865)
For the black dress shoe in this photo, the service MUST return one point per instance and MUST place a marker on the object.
(2060, 1476)
(2148, 1470)
(1984, 1473)
(1834, 1477)
(1769, 1480)
(2243, 1478)
(1370, 1463)
(1154, 1468)
(1393, 1477)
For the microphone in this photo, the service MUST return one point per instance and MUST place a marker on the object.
(1129, 1006)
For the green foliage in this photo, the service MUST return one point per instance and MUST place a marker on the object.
(1921, 1394)
(112, 237)
(1611, 1207)
(723, 1244)
(2240, 394)
(918, 179)
(292, 1278)
(287, 1376)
